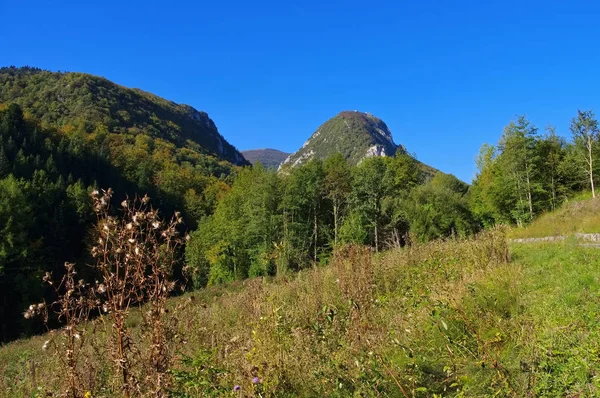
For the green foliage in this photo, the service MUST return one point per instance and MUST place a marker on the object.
(235, 241)
(440, 209)
(269, 158)
(350, 134)
(87, 103)
(268, 223)
(586, 134)
(15, 221)
(527, 174)
(46, 213)
(364, 325)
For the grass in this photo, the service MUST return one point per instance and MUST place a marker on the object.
(580, 214)
(561, 297)
(453, 318)
(365, 325)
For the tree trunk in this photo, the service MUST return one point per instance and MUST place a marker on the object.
(376, 238)
(316, 232)
(335, 222)
(529, 197)
(553, 193)
(591, 164)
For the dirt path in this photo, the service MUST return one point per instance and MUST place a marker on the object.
(585, 237)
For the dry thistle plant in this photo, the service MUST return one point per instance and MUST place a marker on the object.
(72, 307)
(135, 257)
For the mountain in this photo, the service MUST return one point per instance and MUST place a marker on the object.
(270, 158)
(356, 135)
(90, 102)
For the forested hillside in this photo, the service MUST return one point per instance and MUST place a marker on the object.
(270, 158)
(67, 135)
(87, 103)
(270, 223)
(355, 135)
(46, 217)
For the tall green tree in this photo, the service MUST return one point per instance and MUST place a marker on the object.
(440, 209)
(368, 194)
(552, 152)
(518, 160)
(338, 186)
(584, 128)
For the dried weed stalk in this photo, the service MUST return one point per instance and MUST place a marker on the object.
(135, 257)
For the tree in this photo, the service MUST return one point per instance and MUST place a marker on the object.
(439, 209)
(518, 160)
(4, 162)
(338, 186)
(368, 193)
(552, 153)
(584, 128)
(15, 218)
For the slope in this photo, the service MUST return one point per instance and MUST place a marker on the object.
(354, 134)
(270, 158)
(93, 103)
(580, 214)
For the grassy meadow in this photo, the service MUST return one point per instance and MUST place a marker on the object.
(458, 318)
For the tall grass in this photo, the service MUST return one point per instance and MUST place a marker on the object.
(581, 214)
(395, 324)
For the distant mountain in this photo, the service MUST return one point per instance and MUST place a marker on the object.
(270, 158)
(356, 135)
(90, 102)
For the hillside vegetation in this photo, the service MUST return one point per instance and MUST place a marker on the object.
(270, 158)
(355, 135)
(90, 103)
(347, 275)
(578, 215)
(46, 215)
(464, 318)
(407, 322)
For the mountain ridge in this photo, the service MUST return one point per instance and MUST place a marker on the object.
(356, 135)
(93, 102)
(268, 157)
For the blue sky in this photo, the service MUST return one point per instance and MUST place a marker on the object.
(446, 76)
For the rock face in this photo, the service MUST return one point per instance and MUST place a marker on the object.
(356, 135)
(92, 102)
(270, 158)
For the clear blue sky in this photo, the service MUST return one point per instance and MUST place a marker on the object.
(445, 76)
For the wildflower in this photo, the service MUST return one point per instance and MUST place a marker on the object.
(124, 203)
(77, 336)
(156, 224)
(46, 345)
(255, 380)
(237, 388)
(129, 226)
(101, 288)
